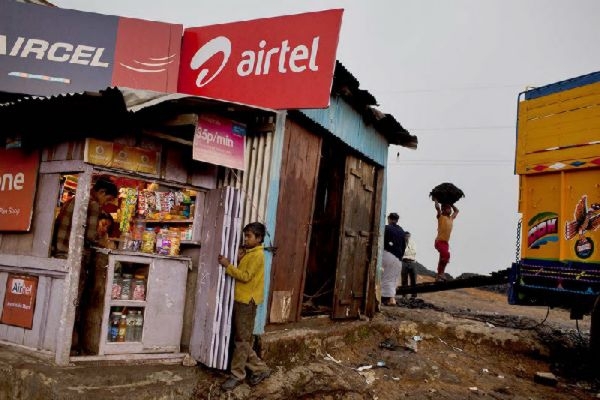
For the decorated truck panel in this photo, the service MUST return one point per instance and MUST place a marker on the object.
(558, 163)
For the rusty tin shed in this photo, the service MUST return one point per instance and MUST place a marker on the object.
(329, 200)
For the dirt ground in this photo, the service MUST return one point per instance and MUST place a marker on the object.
(457, 344)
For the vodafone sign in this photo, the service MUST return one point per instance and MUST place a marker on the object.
(280, 63)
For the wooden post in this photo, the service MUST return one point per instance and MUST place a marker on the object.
(69, 300)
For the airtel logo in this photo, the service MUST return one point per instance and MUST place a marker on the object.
(258, 62)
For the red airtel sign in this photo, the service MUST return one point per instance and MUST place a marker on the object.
(280, 63)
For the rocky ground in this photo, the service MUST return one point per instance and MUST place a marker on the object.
(458, 344)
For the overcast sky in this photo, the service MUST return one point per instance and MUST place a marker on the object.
(449, 71)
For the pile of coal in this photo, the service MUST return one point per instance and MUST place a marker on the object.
(446, 193)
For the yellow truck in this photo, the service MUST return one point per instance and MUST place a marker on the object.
(558, 162)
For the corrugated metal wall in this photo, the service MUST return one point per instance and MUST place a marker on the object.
(254, 180)
(259, 183)
(346, 124)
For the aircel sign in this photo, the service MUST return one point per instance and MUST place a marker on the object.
(281, 63)
(48, 51)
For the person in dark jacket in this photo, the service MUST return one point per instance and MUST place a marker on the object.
(394, 244)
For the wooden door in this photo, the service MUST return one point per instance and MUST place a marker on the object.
(357, 239)
(163, 316)
(298, 183)
(221, 233)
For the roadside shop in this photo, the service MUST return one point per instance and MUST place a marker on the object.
(189, 172)
(133, 294)
(129, 295)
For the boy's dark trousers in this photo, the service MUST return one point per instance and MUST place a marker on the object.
(408, 274)
(243, 353)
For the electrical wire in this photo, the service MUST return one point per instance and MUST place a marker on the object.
(463, 128)
(449, 89)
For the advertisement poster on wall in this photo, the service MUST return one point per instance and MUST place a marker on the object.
(19, 300)
(18, 180)
(219, 141)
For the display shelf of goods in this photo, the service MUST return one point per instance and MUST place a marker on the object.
(153, 307)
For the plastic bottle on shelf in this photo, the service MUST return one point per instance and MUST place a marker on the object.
(113, 329)
(188, 233)
(126, 287)
(186, 205)
(139, 227)
(116, 286)
(139, 326)
(125, 240)
(122, 331)
(139, 288)
(131, 321)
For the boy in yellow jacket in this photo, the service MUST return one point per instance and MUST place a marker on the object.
(249, 292)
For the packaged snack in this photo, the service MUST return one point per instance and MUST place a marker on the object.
(148, 240)
(142, 206)
(150, 200)
(178, 198)
(165, 243)
(128, 202)
(175, 243)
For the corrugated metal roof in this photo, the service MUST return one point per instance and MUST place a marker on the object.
(40, 2)
(347, 87)
(106, 113)
(343, 122)
(42, 121)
